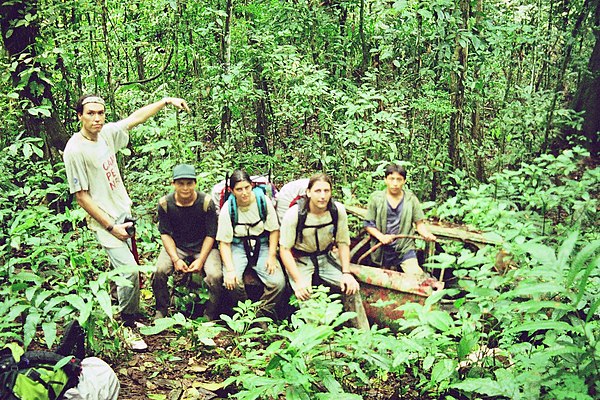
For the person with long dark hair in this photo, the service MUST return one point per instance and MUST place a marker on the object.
(247, 234)
(309, 231)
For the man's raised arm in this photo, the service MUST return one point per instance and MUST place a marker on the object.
(141, 115)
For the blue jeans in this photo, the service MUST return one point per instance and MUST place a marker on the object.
(274, 284)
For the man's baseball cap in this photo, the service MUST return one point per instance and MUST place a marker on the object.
(184, 171)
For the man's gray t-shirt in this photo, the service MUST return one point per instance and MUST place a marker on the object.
(92, 166)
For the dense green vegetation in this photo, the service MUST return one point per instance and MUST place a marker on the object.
(485, 101)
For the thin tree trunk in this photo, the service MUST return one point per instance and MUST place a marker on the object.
(458, 91)
(109, 79)
(363, 40)
(476, 128)
(226, 60)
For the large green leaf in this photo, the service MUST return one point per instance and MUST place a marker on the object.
(49, 329)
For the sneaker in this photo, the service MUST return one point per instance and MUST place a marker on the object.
(134, 340)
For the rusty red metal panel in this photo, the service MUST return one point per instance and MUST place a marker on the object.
(384, 290)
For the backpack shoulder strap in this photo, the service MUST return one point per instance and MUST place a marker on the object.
(206, 204)
(302, 213)
(205, 199)
(259, 192)
(233, 212)
(333, 210)
(163, 203)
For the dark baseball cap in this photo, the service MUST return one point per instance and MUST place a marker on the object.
(184, 171)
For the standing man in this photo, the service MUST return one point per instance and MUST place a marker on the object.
(393, 211)
(187, 221)
(95, 179)
(309, 230)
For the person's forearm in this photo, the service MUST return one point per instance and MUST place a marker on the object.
(207, 246)
(344, 255)
(225, 250)
(170, 247)
(376, 233)
(422, 229)
(273, 242)
(143, 114)
(89, 205)
(287, 258)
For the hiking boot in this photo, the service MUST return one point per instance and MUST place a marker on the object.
(134, 340)
(132, 320)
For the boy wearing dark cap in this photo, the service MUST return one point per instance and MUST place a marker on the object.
(187, 221)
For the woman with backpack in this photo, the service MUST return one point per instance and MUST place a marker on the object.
(248, 234)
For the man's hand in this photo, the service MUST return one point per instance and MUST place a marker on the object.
(303, 290)
(430, 237)
(195, 266)
(180, 265)
(348, 284)
(119, 231)
(230, 280)
(387, 239)
(177, 102)
(271, 264)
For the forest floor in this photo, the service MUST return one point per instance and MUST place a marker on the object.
(169, 371)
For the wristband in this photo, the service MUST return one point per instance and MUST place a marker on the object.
(110, 227)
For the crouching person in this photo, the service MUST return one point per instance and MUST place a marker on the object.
(309, 231)
(247, 235)
(187, 222)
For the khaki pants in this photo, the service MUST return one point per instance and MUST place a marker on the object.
(331, 272)
(213, 277)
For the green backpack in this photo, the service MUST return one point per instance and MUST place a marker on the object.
(37, 375)
(42, 375)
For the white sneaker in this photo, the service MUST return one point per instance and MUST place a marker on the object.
(134, 340)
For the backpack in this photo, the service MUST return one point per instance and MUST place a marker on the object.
(38, 375)
(289, 194)
(260, 193)
(302, 203)
(163, 202)
(43, 375)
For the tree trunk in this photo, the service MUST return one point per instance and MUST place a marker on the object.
(109, 79)
(586, 98)
(476, 127)
(226, 59)
(260, 106)
(19, 42)
(458, 90)
(363, 39)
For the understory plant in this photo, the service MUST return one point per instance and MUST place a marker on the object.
(313, 356)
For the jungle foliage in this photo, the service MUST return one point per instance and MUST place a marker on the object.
(475, 97)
